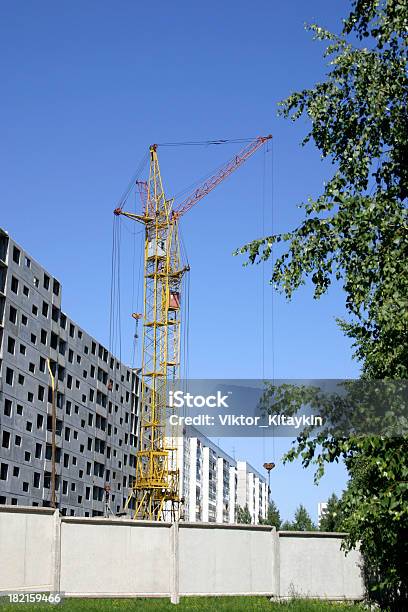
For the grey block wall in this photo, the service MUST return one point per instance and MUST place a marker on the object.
(96, 403)
(47, 552)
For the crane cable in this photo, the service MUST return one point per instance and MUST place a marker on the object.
(206, 143)
(115, 341)
(263, 292)
(112, 284)
(185, 344)
(136, 301)
(272, 204)
(131, 185)
(115, 336)
(267, 199)
(114, 315)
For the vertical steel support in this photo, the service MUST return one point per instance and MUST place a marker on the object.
(156, 486)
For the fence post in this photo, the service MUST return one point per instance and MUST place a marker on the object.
(56, 551)
(174, 563)
(276, 562)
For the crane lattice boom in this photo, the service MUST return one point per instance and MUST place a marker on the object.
(182, 207)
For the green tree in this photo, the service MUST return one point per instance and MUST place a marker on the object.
(375, 507)
(332, 518)
(287, 526)
(302, 520)
(356, 233)
(243, 515)
(273, 516)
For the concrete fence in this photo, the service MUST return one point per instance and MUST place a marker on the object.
(95, 557)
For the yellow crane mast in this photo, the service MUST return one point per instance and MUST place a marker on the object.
(156, 489)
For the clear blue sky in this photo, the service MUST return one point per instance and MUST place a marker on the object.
(87, 87)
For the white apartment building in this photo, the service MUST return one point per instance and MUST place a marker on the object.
(321, 510)
(252, 491)
(214, 484)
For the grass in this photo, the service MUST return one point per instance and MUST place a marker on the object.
(236, 604)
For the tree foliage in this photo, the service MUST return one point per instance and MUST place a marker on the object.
(243, 515)
(332, 518)
(356, 232)
(375, 505)
(375, 508)
(301, 522)
(272, 516)
(286, 526)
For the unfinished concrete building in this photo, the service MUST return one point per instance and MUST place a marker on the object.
(96, 401)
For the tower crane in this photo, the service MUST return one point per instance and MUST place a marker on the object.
(156, 488)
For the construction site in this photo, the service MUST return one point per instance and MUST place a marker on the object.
(87, 436)
(202, 292)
